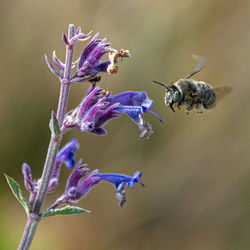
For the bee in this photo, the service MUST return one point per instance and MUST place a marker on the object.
(193, 94)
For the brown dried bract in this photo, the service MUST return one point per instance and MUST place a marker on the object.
(114, 55)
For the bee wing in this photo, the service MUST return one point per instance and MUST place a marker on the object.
(220, 92)
(201, 63)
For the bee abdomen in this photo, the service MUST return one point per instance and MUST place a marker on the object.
(207, 95)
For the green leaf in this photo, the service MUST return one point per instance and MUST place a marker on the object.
(15, 188)
(64, 211)
(54, 126)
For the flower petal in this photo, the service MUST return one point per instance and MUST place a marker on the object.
(129, 98)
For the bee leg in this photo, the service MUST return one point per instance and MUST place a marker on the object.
(171, 106)
(199, 108)
(189, 108)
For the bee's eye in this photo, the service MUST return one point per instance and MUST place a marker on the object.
(176, 96)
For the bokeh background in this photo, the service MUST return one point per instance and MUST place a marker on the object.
(196, 168)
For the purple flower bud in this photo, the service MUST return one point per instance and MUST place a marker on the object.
(28, 182)
(121, 182)
(66, 156)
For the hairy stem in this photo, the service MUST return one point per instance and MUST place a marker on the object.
(31, 224)
(28, 233)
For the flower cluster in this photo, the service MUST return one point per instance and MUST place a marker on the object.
(89, 63)
(76, 188)
(98, 107)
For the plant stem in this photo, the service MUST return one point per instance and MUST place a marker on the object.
(31, 224)
(28, 233)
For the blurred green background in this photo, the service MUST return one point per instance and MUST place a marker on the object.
(196, 168)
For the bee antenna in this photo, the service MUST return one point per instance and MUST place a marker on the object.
(160, 84)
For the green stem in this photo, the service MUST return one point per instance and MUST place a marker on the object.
(28, 234)
(32, 222)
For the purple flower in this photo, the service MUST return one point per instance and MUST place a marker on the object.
(93, 112)
(98, 107)
(135, 104)
(76, 188)
(121, 182)
(66, 156)
(89, 63)
(78, 36)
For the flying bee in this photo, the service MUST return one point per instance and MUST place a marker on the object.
(193, 94)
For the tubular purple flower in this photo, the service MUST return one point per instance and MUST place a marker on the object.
(98, 107)
(135, 104)
(76, 188)
(121, 182)
(66, 156)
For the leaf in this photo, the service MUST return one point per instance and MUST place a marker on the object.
(64, 211)
(15, 188)
(54, 126)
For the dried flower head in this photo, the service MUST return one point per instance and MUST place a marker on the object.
(114, 55)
